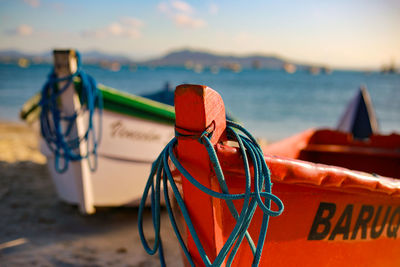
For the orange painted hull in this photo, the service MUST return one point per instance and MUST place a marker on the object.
(288, 240)
(333, 216)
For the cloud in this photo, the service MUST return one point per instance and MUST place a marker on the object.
(174, 7)
(21, 30)
(132, 22)
(181, 13)
(213, 9)
(125, 27)
(163, 7)
(182, 6)
(32, 3)
(187, 21)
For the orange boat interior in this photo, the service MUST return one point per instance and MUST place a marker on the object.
(378, 155)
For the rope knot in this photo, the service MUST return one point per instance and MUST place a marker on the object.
(195, 135)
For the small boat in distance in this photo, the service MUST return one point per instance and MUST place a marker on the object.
(359, 118)
(289, 68)
(327, 70)
(389, 69)
(314, 70)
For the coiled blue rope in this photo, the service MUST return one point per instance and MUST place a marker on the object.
(261, 197)
(57, 128)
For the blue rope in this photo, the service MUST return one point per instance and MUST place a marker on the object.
(57, 128)
(261, 197)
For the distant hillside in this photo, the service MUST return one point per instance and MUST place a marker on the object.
(182, 57)
(185, 57)
(13, 55)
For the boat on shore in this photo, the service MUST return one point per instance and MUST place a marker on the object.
(133, 131)
(341, 195)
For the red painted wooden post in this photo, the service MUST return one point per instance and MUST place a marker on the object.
(198, 107)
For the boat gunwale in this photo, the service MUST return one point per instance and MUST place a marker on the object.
(300, 172)
(114, 101)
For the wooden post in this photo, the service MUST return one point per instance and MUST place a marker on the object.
(198, 107)
(65, 63)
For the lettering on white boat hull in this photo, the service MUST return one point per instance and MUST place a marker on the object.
(119, 130)
(367, 223)
(132, 138)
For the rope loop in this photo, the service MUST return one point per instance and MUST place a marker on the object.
(59, 130)
(188, 134)
(260, 197)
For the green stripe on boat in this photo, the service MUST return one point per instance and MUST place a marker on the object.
(115, 101)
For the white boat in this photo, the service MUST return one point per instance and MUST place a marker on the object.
(134, 131)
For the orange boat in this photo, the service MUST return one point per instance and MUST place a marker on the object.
(341, 196)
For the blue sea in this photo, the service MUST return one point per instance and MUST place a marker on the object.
(272, 104)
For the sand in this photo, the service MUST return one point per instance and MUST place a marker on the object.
(39, 230)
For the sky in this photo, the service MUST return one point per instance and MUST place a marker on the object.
(345, 34)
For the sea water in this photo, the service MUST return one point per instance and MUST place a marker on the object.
(271, 103)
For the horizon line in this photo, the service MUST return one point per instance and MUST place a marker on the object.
(202, 50)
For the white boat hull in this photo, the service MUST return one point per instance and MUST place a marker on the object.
(127, 149)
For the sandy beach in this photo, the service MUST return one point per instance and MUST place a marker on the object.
(39, 230)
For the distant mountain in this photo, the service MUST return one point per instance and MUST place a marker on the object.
(189, 58)
(12, 54)
(184, 57)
